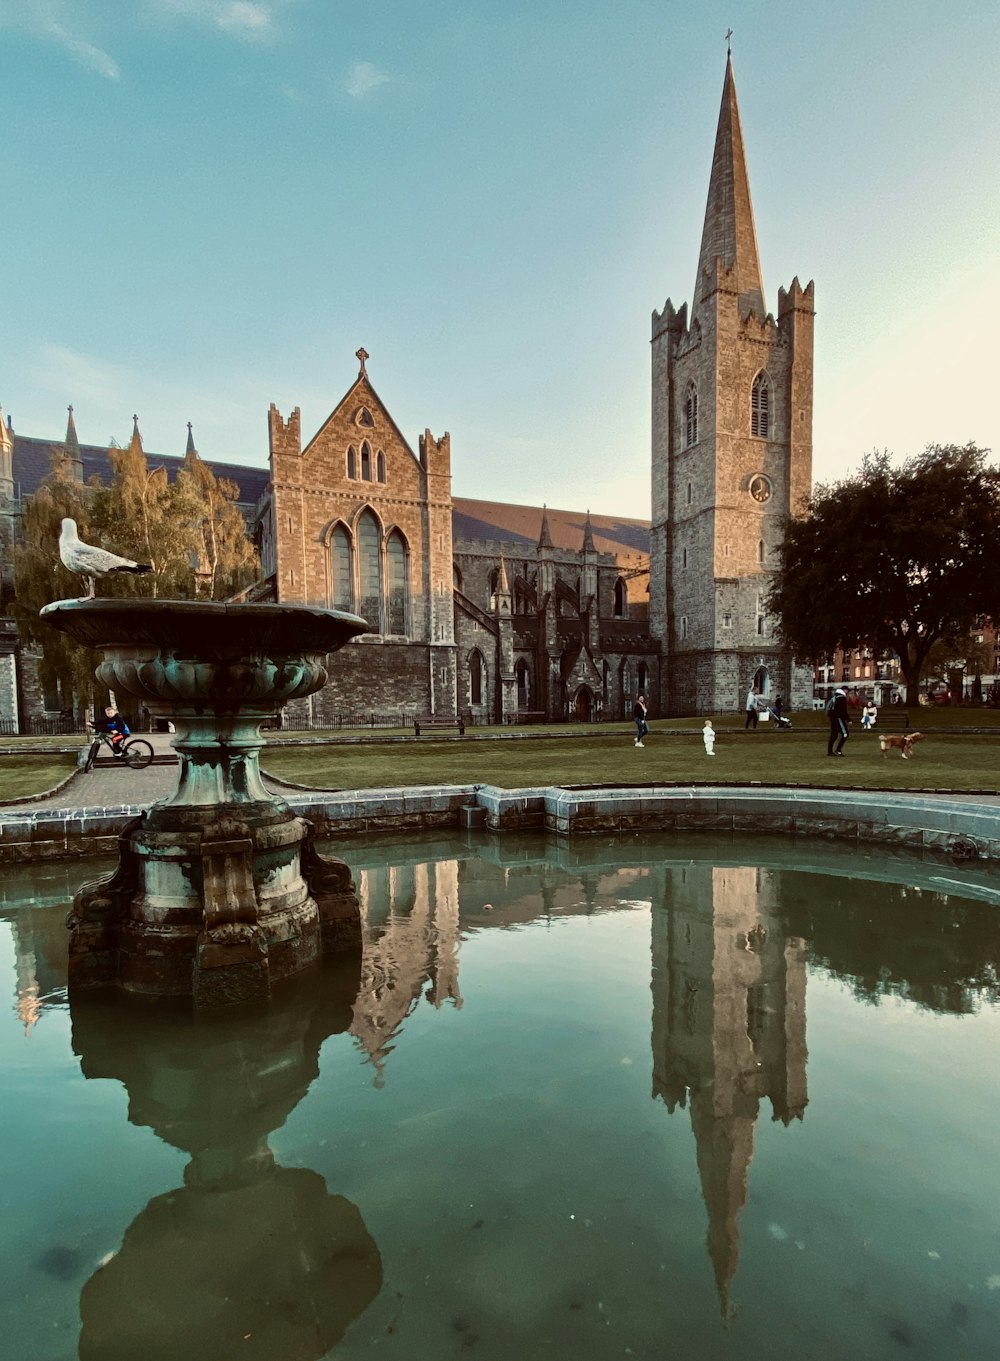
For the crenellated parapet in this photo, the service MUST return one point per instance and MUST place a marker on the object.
(797, 299)
(670, 321)
(284, 437)
(435, 454)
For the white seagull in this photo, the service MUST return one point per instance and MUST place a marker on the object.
(90, 562)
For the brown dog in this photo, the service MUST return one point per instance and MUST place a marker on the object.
(904, 741)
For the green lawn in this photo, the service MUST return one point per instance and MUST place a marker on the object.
(26, 774)
(600, 756)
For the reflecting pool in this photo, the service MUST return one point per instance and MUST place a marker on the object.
(625, 1098)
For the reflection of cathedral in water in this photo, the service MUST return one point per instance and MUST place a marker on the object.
(410, 934)
(729, 1028)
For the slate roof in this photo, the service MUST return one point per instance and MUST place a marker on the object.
(496, 522)
(33, 463)
(487, 521)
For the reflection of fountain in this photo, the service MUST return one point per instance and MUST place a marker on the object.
(248, 1258)
(219, 891)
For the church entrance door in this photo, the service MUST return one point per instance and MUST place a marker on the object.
(584, 704)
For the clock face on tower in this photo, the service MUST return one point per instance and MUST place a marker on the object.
(760, 488)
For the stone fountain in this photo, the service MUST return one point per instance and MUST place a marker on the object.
(219, 891)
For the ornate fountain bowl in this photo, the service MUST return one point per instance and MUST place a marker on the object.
(170, 653)
(220, 891)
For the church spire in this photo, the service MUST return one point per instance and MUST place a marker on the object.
(190, 442)
(544, 537)
(729, 233)
(588, 536)
(71, 435)
(136, 441)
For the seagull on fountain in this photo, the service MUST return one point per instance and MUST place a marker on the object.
(90, 562)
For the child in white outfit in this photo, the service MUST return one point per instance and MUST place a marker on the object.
(708, 736)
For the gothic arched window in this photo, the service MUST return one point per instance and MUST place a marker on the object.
(523, 684)
(366, 462)
(352, 462)
(476, 678)
(370, 571)
(494, 582)
(456, 576)
(380, 466)
(341, 570)
(621, 598)
(760, 550)
(396, 572)
(642, 678)
(691, 416)
(760, 406)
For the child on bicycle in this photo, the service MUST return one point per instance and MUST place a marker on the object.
(116, 728)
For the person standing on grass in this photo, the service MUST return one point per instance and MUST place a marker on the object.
(639, 717)
(751, 708)
(836, 711)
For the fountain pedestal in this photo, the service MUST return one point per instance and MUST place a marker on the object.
(219, 891)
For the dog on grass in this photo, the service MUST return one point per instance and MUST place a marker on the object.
(904, 741)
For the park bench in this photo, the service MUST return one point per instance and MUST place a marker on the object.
(434, 721)
(889, 720)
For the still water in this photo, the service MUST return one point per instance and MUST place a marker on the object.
(644, 1099)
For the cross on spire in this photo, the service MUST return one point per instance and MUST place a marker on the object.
(362, 355)
(729, 45)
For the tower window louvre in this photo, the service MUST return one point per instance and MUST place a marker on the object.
(691, 416)
(760, 406)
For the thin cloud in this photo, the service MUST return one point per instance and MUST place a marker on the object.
(362, 78)
(94, 58)
(43, 19)
(249, 20)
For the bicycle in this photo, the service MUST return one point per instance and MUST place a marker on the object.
(135, 752)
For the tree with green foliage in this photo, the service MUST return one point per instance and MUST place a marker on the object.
(190, 530)
(40, 577)
(898, 557)
(227, 557)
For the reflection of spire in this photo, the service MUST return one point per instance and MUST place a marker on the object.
(728, 1027)
(725, 1152)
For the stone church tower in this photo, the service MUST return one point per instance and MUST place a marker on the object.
(731, 455)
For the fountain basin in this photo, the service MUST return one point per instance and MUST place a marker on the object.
(219, 892)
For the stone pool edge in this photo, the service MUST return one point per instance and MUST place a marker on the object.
(950, 825)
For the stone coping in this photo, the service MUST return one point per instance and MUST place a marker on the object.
(952, 825)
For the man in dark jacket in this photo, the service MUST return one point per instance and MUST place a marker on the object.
(839, 723)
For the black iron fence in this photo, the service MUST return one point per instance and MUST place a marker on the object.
(41, 726)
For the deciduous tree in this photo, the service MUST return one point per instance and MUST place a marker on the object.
(40, 577)
(899, 557)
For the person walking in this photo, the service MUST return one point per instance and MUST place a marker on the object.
(836, 711)
(639, 717)
(751, 708)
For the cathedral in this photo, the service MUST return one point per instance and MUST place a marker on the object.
(506, 613)
(731, 455)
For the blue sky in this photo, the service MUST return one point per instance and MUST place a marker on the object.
(209, 205)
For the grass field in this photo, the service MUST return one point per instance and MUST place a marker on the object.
(946, 759)
(25, 773)
(597, 756)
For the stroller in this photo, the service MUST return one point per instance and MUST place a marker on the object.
(775, 711)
